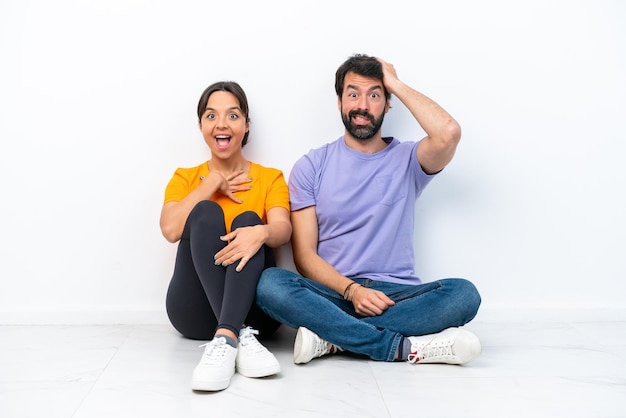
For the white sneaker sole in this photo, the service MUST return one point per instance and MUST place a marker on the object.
(259, 371)
(210, 386)
(303, 339)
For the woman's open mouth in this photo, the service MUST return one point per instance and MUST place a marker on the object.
(222, 142)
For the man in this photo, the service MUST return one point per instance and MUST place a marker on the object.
(352, 210)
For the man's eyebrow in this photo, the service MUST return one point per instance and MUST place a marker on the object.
(353, 87)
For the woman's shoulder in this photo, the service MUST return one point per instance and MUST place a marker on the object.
(192, 170)
(264, 169)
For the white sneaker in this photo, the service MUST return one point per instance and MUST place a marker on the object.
(309, 346)
(451, 346)
(216, 366)
(253, 359)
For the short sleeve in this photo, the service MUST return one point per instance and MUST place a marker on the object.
(278, 193)
(302, 183)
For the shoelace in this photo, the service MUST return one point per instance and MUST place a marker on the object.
(247, 338)
(214, 351)
(322, 347)
(442, 348)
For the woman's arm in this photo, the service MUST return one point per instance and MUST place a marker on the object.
(245, 242)
(174, 214)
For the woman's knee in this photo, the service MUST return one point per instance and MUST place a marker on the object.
(206, 206)
(247, 218)
(205, 209)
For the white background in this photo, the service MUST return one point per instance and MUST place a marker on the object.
(97, 110)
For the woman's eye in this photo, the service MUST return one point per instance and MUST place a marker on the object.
(210, 116)
(233, 116)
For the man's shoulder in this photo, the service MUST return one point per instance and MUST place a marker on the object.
(318, 155)
(325, 147)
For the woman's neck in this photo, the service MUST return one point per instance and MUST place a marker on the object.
(228, 166)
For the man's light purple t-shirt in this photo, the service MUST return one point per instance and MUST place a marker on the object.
(365, 205)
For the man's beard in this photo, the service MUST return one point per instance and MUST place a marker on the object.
(362, 132)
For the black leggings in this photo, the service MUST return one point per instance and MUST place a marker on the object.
(202, 296)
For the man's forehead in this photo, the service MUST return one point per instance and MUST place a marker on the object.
(359, 82)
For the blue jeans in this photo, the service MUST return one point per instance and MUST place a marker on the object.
(419, 309)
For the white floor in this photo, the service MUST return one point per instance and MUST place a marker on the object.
(527, 369)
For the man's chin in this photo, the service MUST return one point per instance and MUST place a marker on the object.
(362, 134)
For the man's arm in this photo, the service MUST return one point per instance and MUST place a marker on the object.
(304, 246)
(443, 133)
(304, 240)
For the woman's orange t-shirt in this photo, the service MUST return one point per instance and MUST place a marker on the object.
(269, 190)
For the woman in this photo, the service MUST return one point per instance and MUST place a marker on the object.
(227, 214)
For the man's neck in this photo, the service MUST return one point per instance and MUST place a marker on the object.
(366, 146)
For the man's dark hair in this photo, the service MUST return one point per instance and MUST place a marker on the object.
(360, 64)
